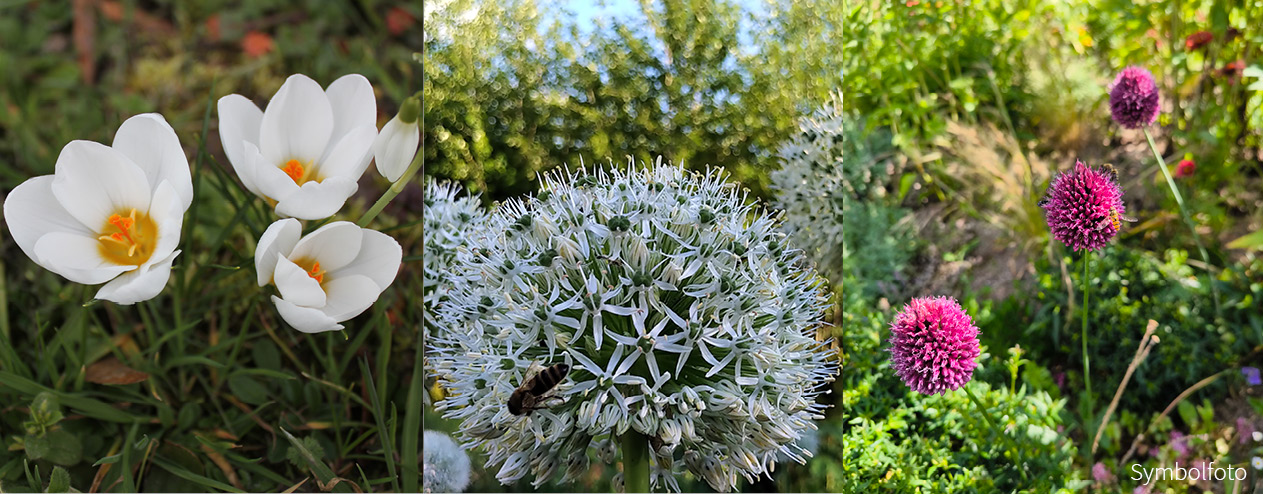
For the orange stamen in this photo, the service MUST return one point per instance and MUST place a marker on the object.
(295, 170)
(317, 273)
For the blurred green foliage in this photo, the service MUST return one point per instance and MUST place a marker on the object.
(1130, 287)
(514, 89)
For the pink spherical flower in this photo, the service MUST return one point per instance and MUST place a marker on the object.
(1084, 207)
(1134, 98)
(934, 345)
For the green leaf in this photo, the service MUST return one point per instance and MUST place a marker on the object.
(1188, 412)
(1248, 241)
(60, 481)
(107, 460)
(247, 389)
(57, 446)
(318, 467)
(266, 355)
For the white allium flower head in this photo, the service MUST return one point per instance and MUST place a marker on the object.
(307, 150)
(451, 219)
(108, 213)
(446, 466)
(809, 186)
(678, 306)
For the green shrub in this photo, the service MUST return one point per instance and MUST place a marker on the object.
(896, 440)
(1130, 287)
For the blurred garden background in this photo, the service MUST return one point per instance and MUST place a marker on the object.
(957, 116)
(516, 88)
(201, 388)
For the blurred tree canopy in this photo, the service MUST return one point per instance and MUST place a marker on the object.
(514, 88)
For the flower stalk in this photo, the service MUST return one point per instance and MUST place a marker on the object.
(1087, 375)
(1179, 201)
(635, 462)
(391, 192)
(986, 414)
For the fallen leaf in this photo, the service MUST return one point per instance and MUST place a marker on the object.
(296, 486)
(223, 465)
(111, 371)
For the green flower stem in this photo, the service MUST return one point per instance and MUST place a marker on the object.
(391, 192)
(635, 462)
(1087, 374)
(1179, 201)
(986, 414)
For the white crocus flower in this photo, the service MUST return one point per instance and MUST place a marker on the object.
(307, 151)
(108, 213)
(331, 275)
(396, 145)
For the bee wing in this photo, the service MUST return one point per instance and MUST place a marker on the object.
(1126, 218)
(1104, 223)
(531, 372)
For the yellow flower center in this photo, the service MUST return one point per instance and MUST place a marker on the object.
(128, 240)
(300, 173)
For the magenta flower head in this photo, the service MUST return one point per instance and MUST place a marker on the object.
(1084, 207)
(934, 345)
(1134, 98)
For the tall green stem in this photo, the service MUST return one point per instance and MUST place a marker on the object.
(391, 192)
(986, 414)
(1179, 201)
(635, 462)
(1087, 374)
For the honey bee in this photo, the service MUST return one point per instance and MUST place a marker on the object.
(536, 385)
(1111, 171)
(1113, 220)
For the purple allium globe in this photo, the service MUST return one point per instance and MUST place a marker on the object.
(934, 345)
(1084, 207)
(1134, 98)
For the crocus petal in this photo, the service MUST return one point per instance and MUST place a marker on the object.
(279, 239)
(296, 286)
(167, 212)
(152, 145)
(138, 285)
(353, 103)
(334, 245)
(272, 183)
(31, 211)
(349, 296)
(305, 319)
(239, 121)
(93, 181)
(349, 157)
(317, 201)
(76, 258)
(379, 259)
(395, 148)
(297, 122)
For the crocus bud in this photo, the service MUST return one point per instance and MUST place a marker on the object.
(396, 145)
